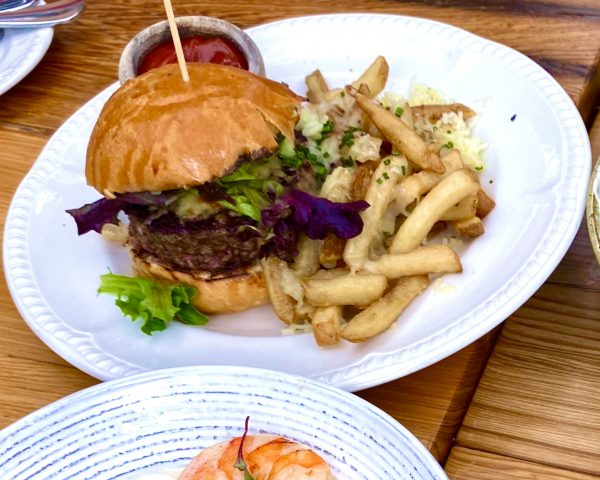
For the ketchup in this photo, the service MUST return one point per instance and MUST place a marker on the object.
(195, 49)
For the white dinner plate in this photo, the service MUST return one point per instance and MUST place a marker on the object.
(159, 420)
(538, 165)
(21, 49)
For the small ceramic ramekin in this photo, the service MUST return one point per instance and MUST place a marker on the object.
(152, 36)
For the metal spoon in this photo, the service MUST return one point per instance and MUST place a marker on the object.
(48, 15)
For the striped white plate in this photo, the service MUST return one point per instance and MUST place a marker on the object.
(160, 420)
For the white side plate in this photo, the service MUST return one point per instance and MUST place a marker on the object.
(20, 51)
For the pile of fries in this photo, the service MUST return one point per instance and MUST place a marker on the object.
(356, 289)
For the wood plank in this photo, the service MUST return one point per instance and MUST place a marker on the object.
(19, 151)
(51, 382)
(538, 398)
(579, 267)
(595, 135)
(78, 72)
(466, 464)
(563, 37)
(33, 375)
(432, 403)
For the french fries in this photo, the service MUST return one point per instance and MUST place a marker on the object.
(379, 195)
(337, 187)
(283, 304)
(418, 184)
(380, 315)
(332, 250)
(451, 190)
(463, 210)
(326, 324)
(401, 136)
(421, 261)
(469, 228)
(415, 194)
(347, 289)
(374, 77)
(307, 260)
(485, 204)
(337, 184)
(329, 274)
(317, 87)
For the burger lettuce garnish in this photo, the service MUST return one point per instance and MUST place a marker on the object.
(155, 305)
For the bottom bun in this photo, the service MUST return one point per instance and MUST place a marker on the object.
(224, 295)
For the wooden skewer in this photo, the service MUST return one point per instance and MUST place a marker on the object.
(176, 41)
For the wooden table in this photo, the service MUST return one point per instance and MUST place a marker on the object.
(536, 411)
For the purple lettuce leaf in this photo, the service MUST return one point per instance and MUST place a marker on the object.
(317, 216)
(93, 216)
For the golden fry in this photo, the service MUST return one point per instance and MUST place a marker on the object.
(421, 261)
(485, 204)
(332, 251)
(374, 77)
(413, 187)
(380, 315)
(362, 180)
(306, 262)
(463, 210)
(349, 289)
(329, 274)
(317, 87)
(283, 304)
(470, 228)
(326, 325)
(451, 190)
(418, 184)
(379, 196)
(337, 185)
(399, 134)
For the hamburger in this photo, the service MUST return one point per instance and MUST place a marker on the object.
(210, 180)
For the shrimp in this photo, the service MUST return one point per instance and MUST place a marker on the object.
(267, 457)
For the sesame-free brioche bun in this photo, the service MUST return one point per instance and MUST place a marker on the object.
(223, 295)
(158, 132)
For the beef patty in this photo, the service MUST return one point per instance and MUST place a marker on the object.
(224, 244)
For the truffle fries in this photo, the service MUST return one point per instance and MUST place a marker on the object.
(283, 304)
(379, 196)
(451, 190)
(380, 315)
(412, 193)
(399, 134)
(372, 80)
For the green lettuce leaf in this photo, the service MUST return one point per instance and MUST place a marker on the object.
(249, 186)
(154, 304)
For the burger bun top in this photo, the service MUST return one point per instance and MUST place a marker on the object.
(158, 132)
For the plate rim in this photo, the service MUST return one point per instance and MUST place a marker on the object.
(32, 58)
(373, 369)
(194, 374)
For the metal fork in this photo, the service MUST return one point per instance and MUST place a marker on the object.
(48, 15)
(11, 5)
